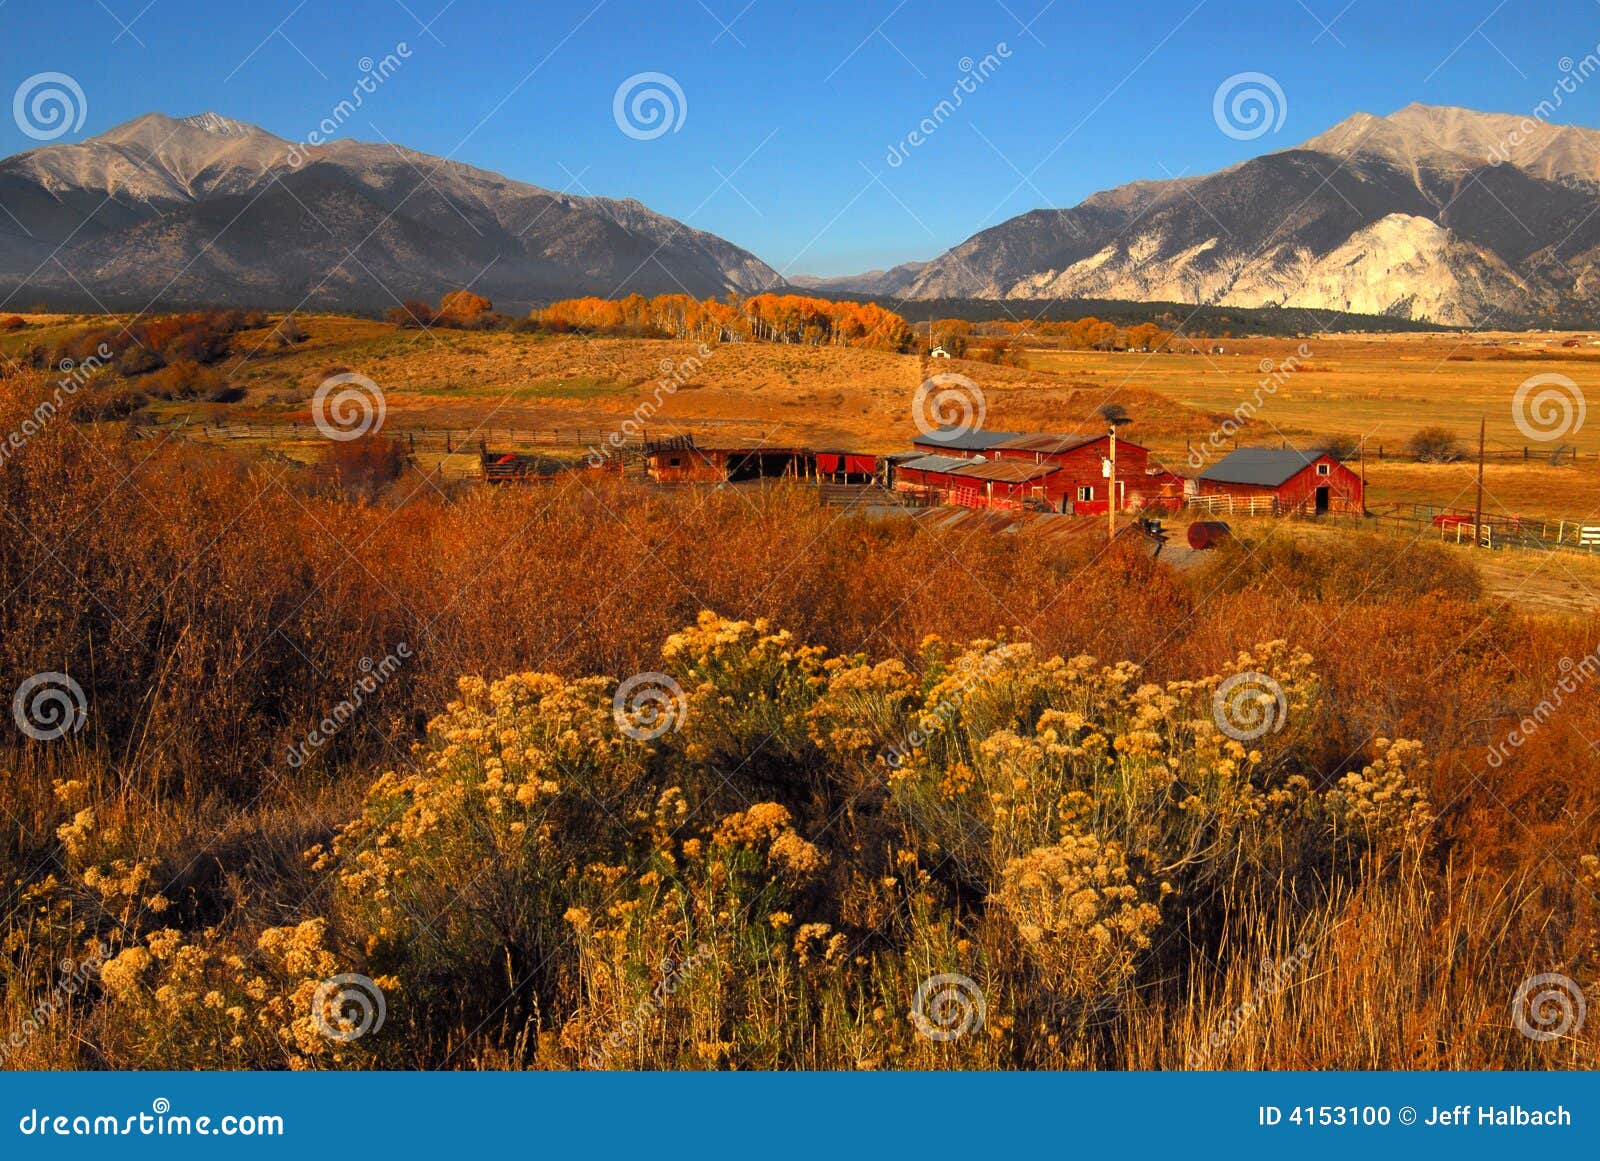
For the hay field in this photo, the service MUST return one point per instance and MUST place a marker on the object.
(1381, 387)
(509, 381)
(501, 385)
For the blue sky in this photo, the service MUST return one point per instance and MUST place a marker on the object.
(790, 110)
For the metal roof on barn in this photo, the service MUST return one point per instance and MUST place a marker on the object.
(1006, 471)
(936, 463)
(964, 438)
(1048, 443)
(1050, 526)
(1265, 466)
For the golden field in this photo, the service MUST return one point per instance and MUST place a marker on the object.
(906, 798)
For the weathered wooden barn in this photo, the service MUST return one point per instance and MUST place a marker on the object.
(1065, 471)
(681, 461)
(1291, 481)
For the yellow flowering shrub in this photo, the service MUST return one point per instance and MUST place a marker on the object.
(1080, 917)
(192, 1003)
(467, 864)
(1018, 752)
(747, 690)
(1384, 804)
(817, 849)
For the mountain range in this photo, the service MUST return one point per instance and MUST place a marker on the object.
(1430, 213)
(206, 209)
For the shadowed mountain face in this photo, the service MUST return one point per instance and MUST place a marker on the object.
(1430, 213)
(208, 210)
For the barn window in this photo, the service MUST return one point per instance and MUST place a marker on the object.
(1324, 469)
(675, 462)
(1086, 492)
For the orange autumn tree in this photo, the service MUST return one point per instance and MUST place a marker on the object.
(463, 308)
(767, 318)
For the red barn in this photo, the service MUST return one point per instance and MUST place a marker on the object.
(928, 475)
(1294, 481)
(961, 441)
(1061, 472)
(1080, 460)
(1008, 484)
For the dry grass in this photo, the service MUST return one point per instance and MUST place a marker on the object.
(222, 608)
(1383, 387)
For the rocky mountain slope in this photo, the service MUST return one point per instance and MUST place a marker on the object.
(208, 210)
(1430, 213)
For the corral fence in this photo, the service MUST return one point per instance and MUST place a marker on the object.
(1229, 505)
(1558, 455)
(1462, 526)
(448, 440)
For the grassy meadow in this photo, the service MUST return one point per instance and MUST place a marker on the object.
(595, 775)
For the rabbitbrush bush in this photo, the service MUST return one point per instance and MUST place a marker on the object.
(769, 883)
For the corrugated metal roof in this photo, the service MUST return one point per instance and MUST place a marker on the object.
(1045, 525)
(1007, 471)
(935, 463)
(1265, 466)
(964, 439)
(1048, 442)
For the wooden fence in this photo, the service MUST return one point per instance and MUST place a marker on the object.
(1223, 504)
(430, 439)
(1461, 526)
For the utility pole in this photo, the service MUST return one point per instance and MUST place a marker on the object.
(1477, 519)
(1363, 446)
(1115, 417)
(1111, 489)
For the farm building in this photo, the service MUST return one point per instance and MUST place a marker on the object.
(1285, 481)
(515, 468)
(1080, 458)
(846, 467)
(1008, 484)
(680, 460)
(961, 441)
(1045, 470)
(926, 475)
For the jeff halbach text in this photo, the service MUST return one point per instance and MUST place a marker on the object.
(1429, 1117)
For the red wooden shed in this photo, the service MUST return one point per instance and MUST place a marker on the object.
(1294, 481)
